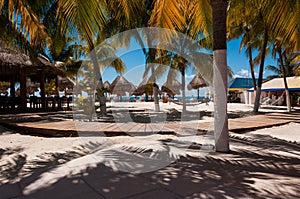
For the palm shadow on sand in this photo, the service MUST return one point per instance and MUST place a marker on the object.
(253, 169)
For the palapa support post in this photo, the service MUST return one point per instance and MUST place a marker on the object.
(23, 100)
(42, 87)
(13, 91)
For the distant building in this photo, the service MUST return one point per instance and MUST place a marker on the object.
(237, 89)
(273, 91)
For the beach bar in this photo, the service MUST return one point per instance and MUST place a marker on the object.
(17, 67)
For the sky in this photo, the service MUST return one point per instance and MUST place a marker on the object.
(134, 60)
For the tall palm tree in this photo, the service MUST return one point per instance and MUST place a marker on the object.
(243, 21)
(194, 19)
(273, 19)
(89, 18)
(286, 68)
(219, 9)
(172, 64)
(190, 17)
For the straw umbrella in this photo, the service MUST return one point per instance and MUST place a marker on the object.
(196, 83)
(145, 87)
(171, 87)
(106, 86)
(121, 85)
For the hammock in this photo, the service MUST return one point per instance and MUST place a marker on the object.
(187, 104)
(279, 99)
(269, 101)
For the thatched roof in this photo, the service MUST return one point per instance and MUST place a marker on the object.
(48, 67)
(13, 58)
(121, 85)
(145, 87)
(171, 87)
(107, 86)
(13, 62)
(197, 82)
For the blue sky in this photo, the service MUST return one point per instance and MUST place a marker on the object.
(135, 60)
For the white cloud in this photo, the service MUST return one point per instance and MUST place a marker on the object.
(244, 74)
(189, 76)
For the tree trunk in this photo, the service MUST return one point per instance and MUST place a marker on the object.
(286, 88)
(252, 67)
(219, 8)
(152, 53)
(261, 71)
(99, 82)
(182, 71)
(297, 5)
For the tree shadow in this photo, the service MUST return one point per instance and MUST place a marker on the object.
(250, 170)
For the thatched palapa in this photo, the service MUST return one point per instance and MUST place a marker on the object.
(171, 87)
(121, 85)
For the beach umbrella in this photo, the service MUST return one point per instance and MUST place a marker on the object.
(196, 83)
(106, 86)
(145, 87)
(120, 86)
(171, 87)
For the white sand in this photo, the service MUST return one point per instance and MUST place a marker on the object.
(232, 107)
(32, 147)
(289, 132)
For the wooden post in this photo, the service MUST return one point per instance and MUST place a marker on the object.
(23, 100)
(13, 91)
(42, 87)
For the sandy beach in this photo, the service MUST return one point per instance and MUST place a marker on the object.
(262, 163)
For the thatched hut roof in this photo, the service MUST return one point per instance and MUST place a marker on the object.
(197, 82)
(121, 85)
(107, 86)
(13, 62)
(171, 87)
(145, 87)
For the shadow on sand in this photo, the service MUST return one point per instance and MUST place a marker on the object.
(253, 169)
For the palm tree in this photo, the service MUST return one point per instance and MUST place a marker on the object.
(190, 17)
(243, 21)
(219, 8)
(286, 69)
(172, 64)
(194, 19)
(89, 19)
(25, 20)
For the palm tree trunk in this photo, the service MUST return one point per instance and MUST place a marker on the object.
(152, 53)
(219, 8)
(251, 67)
(261, 71)
(99, 85)
(183, 88)
(286, 88)
(297, 6)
